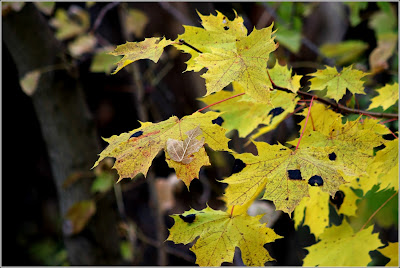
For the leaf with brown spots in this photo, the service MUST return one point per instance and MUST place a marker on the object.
(135, 150)
(220, 233)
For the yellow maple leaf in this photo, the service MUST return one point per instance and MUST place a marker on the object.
(391, 252)
(281, 75)
(285, 175)
(340, 246)
(388, 96)
(314, 210)
(150, 48)
(190, 171)
(338, 82)
(218, 32)
(245, 64)
(354, 140)
(385, 167)
(245, 115)
(135, 150)
(220, 233)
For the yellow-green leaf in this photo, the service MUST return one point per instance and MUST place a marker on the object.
(103, 62)
(344, 52)
(150, 48)
(78, 216)
(388, 96)
(354, 140)
(284, 174)
(136, 21)
(341, 246)
(392, 252)
(66, 27)
(314, 210)
(135, 150)
(218, 32)
(45, 7)
(243, 115)
(246, 64)
(338, 82)
(281, 75)
(220, 233)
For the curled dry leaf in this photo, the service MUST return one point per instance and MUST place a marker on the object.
(181, 151)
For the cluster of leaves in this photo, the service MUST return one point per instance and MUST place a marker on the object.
(332, 154)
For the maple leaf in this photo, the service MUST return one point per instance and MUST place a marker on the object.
(220, 233)
(340, 246)
(181, 151)
(218, 31)
(354, 140)
(245, 64)
(314, 210)
(391, 252)
(281, 75)
(385, 166)
(338, 82)
(245, 116)
(135, 150)
(284, 174)
(150, 48)
(388, 95)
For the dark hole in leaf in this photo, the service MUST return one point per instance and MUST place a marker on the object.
(332, 156)
(188, 218)
(282, 149)
(226, 28)
(218, 121)
(294, 174)
(337, 200)
(276, 111)
(238, 166)
(136, 134)
(316, 181)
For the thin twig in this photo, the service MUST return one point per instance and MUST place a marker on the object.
(101, 15)
(176, 13)
(376, 211)
(182, 42)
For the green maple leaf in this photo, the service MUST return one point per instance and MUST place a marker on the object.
(244, 115)
(220, 233)
(340, 246)
(150, 48)
(284, 174)
(338, 82)
(135, 150)
(388, 95)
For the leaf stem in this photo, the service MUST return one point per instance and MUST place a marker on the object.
(215, 103)
(305, 125)
(376, 211)
(182, 42)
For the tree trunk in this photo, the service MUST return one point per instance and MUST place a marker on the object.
(68, 131)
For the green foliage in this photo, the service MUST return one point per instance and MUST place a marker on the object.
(332, 152)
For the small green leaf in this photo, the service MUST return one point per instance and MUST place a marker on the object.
(103, 182)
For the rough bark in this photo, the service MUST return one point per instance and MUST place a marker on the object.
(68, 131)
